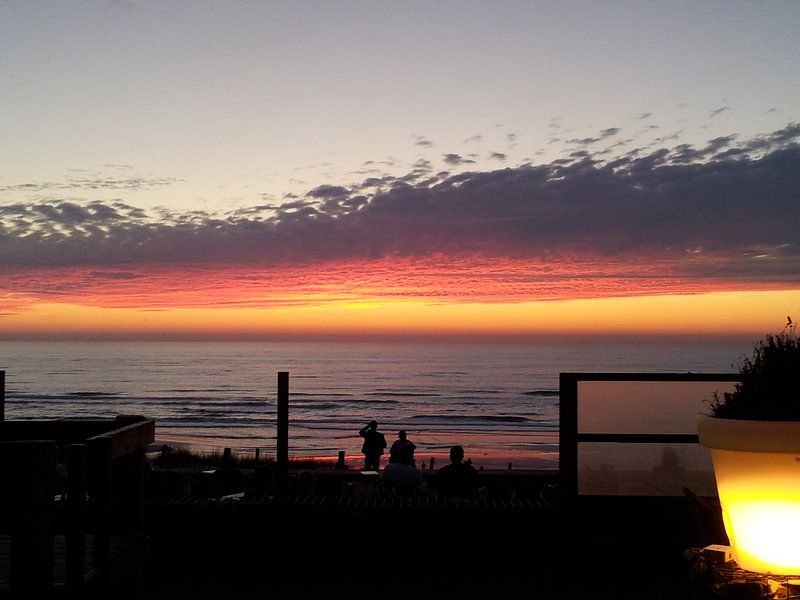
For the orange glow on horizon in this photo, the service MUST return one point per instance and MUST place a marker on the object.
(721, 314)
(432, 296)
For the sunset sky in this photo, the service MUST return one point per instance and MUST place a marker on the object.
(193, 169)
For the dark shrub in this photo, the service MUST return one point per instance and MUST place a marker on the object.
(768, 389)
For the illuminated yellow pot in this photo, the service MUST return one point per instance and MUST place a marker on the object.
(757, 467)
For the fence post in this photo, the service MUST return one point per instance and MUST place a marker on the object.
(76, 519)
(283, 429)
(32, 487)
(100, 493)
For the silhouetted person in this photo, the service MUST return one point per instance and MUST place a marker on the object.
(372, 448)
(402, 478)
(402, 445)
(459, 479)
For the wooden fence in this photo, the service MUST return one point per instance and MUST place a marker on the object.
(71, 505)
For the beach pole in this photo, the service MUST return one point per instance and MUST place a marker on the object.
(2, 395)
(340, 464)
(283, 429)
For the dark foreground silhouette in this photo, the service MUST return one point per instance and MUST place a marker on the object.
(514, 541)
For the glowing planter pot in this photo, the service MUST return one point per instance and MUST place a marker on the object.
(757, 467)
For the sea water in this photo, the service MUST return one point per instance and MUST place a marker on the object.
(499, 400)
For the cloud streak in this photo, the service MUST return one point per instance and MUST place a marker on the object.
(96, 183)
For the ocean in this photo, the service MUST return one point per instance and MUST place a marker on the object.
(498, 400)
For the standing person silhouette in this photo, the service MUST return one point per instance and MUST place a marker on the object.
(374, 443)
(402, 447)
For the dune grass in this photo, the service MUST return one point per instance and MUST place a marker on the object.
(177, 457)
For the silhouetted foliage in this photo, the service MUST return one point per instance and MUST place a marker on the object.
(768, 389)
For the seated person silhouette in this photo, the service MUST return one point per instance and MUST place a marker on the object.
(402, 478)
(402, 442)
(459, 479)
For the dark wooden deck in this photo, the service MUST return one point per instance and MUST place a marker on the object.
(79, 534)
(122, 549)
(311, 546)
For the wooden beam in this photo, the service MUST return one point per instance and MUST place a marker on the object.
(63, 432)
(282, 453)
(75, 561)
(100, 490)
(129, 438)
(283, 420)
(32, 482)
(567, 434)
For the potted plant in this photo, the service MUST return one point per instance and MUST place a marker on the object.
(754, 436)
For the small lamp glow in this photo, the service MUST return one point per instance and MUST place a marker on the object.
(761, 511)
(759, 491)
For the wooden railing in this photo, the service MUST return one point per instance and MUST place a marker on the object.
(47, 529)
(642, 411)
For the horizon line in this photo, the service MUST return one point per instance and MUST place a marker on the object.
(411, 337)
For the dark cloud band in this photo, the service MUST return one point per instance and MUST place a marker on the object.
(729, 209)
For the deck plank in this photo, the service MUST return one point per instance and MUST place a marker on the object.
(124, 549)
